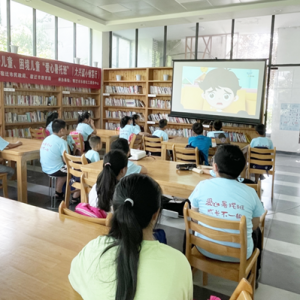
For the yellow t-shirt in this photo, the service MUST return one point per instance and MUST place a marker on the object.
(163, 274)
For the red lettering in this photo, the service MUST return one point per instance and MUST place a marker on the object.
(224, 213)
(217, 213)
(233, 205)
(209, 202)
(224, 204)
(238, 216)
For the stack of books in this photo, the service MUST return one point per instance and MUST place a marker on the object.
(120, 114)
(157, 117)
(174, 132)
(18, 132)
(160, 90)
(156, 103)
(111, 126)
(31, 100)
(239, 137)
(124, 102)
(134, 89)
(80, 101)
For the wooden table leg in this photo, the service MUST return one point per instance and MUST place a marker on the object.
(22, 180)
(4, 186)
(163, 152)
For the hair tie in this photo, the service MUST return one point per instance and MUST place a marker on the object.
(129, 200)
(107, 164)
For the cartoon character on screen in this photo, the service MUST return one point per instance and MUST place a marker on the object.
(220, 88)
(222, 137)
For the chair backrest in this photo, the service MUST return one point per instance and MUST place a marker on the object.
(38, 134)
(188, 155)
(152, 144)
(261, 158)
(243, 291)
(78, 139)
(257, 187)
(214, 248)
(136, 142)
(63, 210)
(86, 186)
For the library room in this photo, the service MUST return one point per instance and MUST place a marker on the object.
(149, 149)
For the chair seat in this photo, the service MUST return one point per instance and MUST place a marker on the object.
(228, 270)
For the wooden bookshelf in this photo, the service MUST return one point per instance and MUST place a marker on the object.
(59, 92)
(149, 77)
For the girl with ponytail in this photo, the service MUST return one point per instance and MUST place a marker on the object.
(128, 263)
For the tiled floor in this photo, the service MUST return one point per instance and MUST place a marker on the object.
(281, 256)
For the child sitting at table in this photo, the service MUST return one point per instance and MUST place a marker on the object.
(262, 141)
(51, 154)
(127, 128)
(86, 128)
(203, 143)
(114, 168)
(96, 145)
(160, 132)
(122, 144)
(218, 129)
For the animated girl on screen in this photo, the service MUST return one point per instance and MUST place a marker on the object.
(220, 88)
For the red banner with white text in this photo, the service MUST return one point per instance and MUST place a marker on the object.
(29, 69)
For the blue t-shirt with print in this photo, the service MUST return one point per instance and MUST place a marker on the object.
(132, 168)
(229, 200)
(51, 153)
(92, 155)
(161, 133)
(3, 143)
(262, 142)
(85, 130)
(203, 144)
(128, 130)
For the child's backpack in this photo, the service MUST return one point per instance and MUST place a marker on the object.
(86, 210)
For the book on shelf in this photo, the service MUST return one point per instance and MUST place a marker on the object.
(237, 125)
(18, 132)
(79, 101)
(30, 117)
(158, 117)
(184, 132)
(160, 90)
(133, 89)
(124, 102)
(73, 115)
(120, 114)
(156, 103)
(72, 127)
(31, 100)
(77, 89)
(111, 126)
(239, 137)
(29, 86)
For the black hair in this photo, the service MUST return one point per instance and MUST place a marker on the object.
(197, 128)
(162, 123)
(113, 162)
(52, 116)
(94, 140)
(222, 136)
(220, 77)
(230, 161)
(135, 117)
(261, 129)
(218, 125)
(83, 116)
(127, 224)
(57, 125)
(124, 121)
(120, 144)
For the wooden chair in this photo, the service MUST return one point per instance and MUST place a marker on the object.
(261, 157)
(86, 186)
(188, 155)
(152, 144)
(104, 223)
(73, 166)
(136, 142)
(227, 270)
(257, 187)
(262, 228)
(3, 177)
(243, 291)
(78, 139)
(37, 134)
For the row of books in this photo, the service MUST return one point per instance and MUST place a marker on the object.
(42, 87)
(73, 115)
(133, 89)
(156, 103)
(111, 126)
(30, 117)
(160, 90)
(174, 132)
(31, 100)
(77, 89)
(120, 114)
(80, 101)
(72, 127)
(124, 102)
(18, 132)
(239, 137)
(158, 117)
(237, 125)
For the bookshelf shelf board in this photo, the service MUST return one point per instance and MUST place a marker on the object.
(160, 81)
(159, 109)
(173, 124)
(124, 107)
(31, 107)
(79, 93)
(25, 123)
(159, 95)
(124, 81)
(81, 106)
(30, 91)
(136, 95)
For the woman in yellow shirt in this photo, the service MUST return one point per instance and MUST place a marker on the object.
(128, 263)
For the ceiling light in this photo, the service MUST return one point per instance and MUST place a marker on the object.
(114, 8)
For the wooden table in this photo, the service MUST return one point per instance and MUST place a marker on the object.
(173, 182)
(107, 137)
(30, 150)
(36, 250)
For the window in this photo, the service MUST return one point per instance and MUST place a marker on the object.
(45, 35)
(3, 31)
(151, 47)
(21, 27)
(180, 42)
(252, 37)
(123, 45)
(65, 40)
(83, 43)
